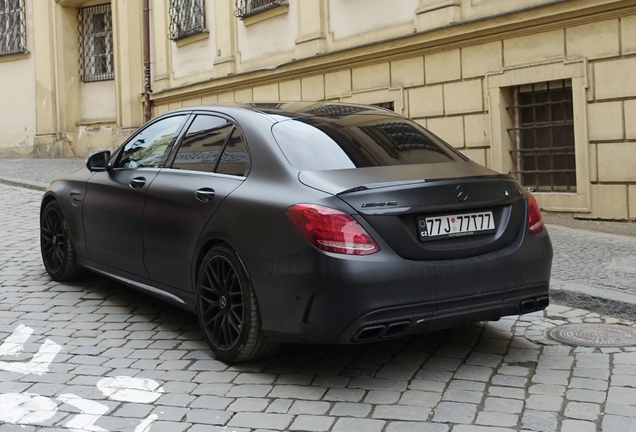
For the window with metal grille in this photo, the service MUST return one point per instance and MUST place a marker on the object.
(187, 18)
(12, 27)
(247, 8)
(401, 137)
(96, 43)
(544, 136)
(334, 110)
(386, 105)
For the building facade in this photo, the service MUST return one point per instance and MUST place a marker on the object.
(545, 90)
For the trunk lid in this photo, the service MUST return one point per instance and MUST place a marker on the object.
(396, 200)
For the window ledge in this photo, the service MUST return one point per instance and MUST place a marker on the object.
(271, 13)
(15, 57)
(442, 5)
(95, 122)
(205, 34)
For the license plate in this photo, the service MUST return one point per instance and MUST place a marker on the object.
(459, 225)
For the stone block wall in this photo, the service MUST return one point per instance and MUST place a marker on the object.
(449, 90)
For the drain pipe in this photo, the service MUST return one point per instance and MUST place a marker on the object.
(147, 86)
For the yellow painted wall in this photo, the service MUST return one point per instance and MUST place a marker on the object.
(17, 98)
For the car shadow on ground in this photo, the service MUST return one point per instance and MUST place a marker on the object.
(121, 305)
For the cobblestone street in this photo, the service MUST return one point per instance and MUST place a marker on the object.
(605, 261)
(94, 355)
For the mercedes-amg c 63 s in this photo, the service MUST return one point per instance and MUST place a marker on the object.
(300, 222)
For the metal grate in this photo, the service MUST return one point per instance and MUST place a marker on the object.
(333, 110)
(386, 105)
(187, 18)
(404, 136)
(96, 43)
(12, 27)
(544, 137)
(246, 8)
(266, 105)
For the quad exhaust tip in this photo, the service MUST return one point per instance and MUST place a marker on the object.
(381, 331)
(533, 305)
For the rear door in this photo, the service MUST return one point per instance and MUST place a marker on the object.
(210, 162)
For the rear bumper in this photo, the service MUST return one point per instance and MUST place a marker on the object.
(317, 297)
(428, 317)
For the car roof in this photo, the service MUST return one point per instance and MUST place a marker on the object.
(278, 111)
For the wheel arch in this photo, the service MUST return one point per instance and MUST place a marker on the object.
(46, 199)
(204, 249)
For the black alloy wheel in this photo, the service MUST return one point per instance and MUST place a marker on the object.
(58, 254)
(221, 302)
(227, 308)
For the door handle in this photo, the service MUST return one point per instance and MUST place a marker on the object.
(204, 194)
(137, 182)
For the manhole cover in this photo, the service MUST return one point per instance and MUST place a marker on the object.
(594, 335)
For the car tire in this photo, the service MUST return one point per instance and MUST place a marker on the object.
(228, 309)
(56, 245)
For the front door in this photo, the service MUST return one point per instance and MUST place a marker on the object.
(115, 199)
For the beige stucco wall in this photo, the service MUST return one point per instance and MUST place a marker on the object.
(17, 110)
(198, 56)
(17, 96)
(98, 101)
(353, 17)
(269, 37)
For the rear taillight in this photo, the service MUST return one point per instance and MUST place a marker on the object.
(331, 230)
(535, 222)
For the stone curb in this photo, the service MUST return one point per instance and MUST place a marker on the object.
(24, 183)
(604, 302)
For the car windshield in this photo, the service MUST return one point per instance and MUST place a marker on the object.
(358, 141)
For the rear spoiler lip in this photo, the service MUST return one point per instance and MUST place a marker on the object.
(372, 186)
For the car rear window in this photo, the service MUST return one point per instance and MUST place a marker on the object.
(318, 144)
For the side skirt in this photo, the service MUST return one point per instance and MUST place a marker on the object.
(186, 301)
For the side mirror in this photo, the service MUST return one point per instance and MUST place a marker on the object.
(98, 161)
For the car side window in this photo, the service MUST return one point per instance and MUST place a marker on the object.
(234, 160)
(150, 147)
(202, 144)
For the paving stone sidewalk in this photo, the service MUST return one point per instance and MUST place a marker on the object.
(37, 170)
(497, 376)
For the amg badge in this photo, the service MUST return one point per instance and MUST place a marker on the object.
(380, 204)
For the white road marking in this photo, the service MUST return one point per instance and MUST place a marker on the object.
(128, 389)
(14, 344)
(91, 412)
(31, 408)
(144, 426)
(39, 364)
(25, 408)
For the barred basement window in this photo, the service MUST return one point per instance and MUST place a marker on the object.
(96, 43)
(247, 8)
(12, 27)
(334, 110)
(187, 18)
(544, 132)
(386, 105)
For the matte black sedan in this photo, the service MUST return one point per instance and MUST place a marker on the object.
(301, 222)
